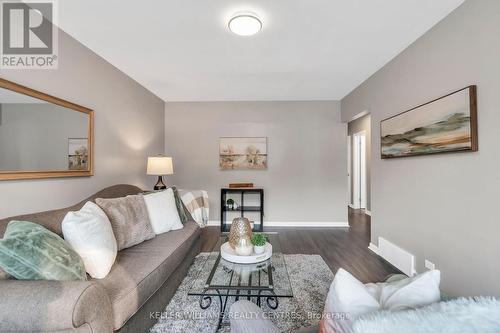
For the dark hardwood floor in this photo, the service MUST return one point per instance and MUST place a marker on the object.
(339, 247)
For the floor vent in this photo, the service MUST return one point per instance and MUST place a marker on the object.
(399, 258)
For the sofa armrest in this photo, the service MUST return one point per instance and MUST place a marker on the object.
(32, 306)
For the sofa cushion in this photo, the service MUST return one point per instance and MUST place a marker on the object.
(140, 271)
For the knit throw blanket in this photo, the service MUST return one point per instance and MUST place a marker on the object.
(196, 203)
(461, 315)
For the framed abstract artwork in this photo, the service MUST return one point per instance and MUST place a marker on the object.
(446, 124)
(243, 153)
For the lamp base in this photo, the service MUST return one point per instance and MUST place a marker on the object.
(160, 185)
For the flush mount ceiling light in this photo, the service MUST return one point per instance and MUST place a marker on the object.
(245, 24)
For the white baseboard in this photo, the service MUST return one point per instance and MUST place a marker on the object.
(356, 207)
(310, 224)
(297, 224)
(213, 223)
(373, 248)
(368, 212)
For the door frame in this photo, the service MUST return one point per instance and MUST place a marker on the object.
(349, 170)
(359, 170)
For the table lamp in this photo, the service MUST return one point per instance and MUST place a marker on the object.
(159, 166)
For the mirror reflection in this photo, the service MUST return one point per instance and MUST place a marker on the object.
(36, 135)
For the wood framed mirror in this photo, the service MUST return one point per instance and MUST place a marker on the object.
(42, 136)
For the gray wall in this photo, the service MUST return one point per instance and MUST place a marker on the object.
(307, 158)
(34, 136)
(128, 128)
(439, 207)
(355, 126)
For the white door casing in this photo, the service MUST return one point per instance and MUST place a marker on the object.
(359, 170)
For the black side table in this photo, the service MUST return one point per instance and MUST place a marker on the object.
(242, 208)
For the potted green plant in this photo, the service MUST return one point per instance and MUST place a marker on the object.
(259, 241)
(230, 203)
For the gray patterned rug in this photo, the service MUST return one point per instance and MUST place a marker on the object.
(310, 278)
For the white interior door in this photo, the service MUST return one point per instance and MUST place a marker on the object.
(349, 170)
(359, 170)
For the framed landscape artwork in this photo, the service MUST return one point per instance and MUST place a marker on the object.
(447, 124)
(243, 153)
(78, 154)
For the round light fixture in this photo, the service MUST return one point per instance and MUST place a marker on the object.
(245, 24)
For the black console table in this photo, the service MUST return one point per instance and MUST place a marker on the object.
(242, 208)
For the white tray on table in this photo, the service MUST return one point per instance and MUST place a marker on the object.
(229, 254)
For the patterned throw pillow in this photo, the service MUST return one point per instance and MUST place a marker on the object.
(28, 251)
(129, 219)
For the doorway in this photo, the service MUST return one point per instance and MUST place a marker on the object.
(359, 170)
(358, 163)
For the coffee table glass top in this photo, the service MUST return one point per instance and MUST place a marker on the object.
(220, 277)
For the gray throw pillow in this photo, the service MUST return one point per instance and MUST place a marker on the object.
(129, 219)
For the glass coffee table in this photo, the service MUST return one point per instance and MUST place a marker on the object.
(221, 280)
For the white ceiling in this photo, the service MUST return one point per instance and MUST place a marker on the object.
(181, 50)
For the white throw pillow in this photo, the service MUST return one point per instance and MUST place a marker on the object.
(162, 211)
(348, 298)
(89, 233)
(410, 293)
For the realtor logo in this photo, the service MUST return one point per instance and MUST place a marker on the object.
(29, 35)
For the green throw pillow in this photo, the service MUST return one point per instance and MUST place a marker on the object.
(28, 251)
(184, 214)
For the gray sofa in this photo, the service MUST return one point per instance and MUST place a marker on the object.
(140, 284)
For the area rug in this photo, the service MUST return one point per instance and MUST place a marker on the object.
(310, 278)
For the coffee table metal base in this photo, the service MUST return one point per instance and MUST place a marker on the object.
(223, 296)
(224, 292)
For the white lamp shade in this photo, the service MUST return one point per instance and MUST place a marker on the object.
(160, 165)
